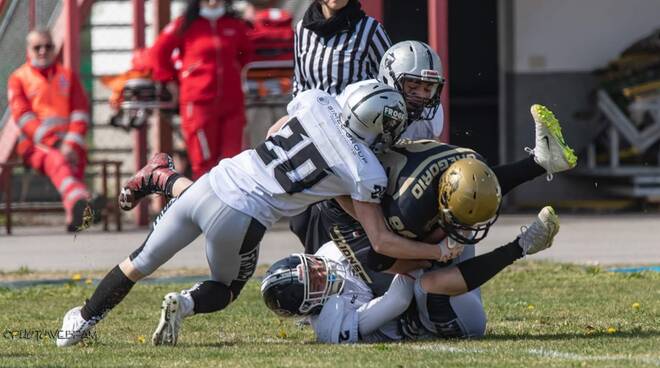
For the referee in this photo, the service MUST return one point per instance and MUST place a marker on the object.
(335, 44)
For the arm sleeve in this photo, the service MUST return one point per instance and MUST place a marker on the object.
(79, 117)
(161, 52)
(21, 109)
(378, 311)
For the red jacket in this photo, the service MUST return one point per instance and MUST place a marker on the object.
(212, 55)
(49, 106)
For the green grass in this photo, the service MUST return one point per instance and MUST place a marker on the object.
(540, 315)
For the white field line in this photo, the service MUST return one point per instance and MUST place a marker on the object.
(543, 353)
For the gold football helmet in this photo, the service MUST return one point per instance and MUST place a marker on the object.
(469, 200)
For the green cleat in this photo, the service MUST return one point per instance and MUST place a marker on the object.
(551, 151)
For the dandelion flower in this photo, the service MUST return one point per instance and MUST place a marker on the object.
(140, 339)
(611, 330)
(635, 305)
(76, 277)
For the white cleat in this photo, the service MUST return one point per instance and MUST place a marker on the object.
(74, 328)
(551, 151)
(174, 309)
(540, 234)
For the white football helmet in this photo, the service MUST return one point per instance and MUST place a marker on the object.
(301, 283)
(413, 60)
(376, 113)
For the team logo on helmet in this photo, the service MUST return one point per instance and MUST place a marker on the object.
(393, 113)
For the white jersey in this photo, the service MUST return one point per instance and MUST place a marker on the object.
(341, 314)
(418, 129)
(311, 158)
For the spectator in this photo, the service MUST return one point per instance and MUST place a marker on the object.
(49, 106)
(214, 47)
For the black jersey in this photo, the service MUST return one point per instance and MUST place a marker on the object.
(414, 169)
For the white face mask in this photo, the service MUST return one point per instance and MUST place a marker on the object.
(39, 64)
(212, 13)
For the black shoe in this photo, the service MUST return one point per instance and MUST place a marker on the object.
(98, 204)
(78, 216)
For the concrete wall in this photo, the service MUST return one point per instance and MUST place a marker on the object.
(550, 51)
(577, 35)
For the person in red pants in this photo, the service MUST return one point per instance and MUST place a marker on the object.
(48, 104)
(213, 47)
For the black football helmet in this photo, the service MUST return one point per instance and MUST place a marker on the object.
(300, 284)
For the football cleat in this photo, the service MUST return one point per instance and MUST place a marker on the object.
(175, 307)
(151, 179)
(551, 151)
(74, 328)
(78, 216)
(540, 234)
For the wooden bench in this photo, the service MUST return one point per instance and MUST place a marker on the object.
(112, 207)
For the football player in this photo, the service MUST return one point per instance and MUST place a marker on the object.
(343, 309)
(319, 154)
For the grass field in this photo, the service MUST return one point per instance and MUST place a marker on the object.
(540, 315)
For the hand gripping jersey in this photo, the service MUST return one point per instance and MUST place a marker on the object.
(414, 169)
(418, 129)
(311, 158)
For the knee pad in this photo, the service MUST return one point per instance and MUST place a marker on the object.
(210, 296)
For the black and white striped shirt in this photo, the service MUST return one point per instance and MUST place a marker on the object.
(330, 64)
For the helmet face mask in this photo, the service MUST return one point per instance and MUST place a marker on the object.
(469, 200)
(420, 107)
(300, 284)
(465, 234)
(413, 60)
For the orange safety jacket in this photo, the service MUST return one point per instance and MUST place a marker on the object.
(49, 106)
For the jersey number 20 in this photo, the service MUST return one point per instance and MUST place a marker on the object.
(299, 165)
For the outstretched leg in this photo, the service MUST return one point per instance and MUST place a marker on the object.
(550, 155)
(174, 229)
(448, 300)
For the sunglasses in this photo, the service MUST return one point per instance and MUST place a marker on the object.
(46, 47)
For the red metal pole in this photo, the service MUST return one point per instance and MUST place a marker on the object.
(140, 134)
(71, 39)
(32, 14)
(162, 121)
(374, 8)
(439, 40)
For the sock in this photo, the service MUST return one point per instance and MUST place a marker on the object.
(210, 296)
(170, 184)
(110, 292)
(476, 271)
(519, 172)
